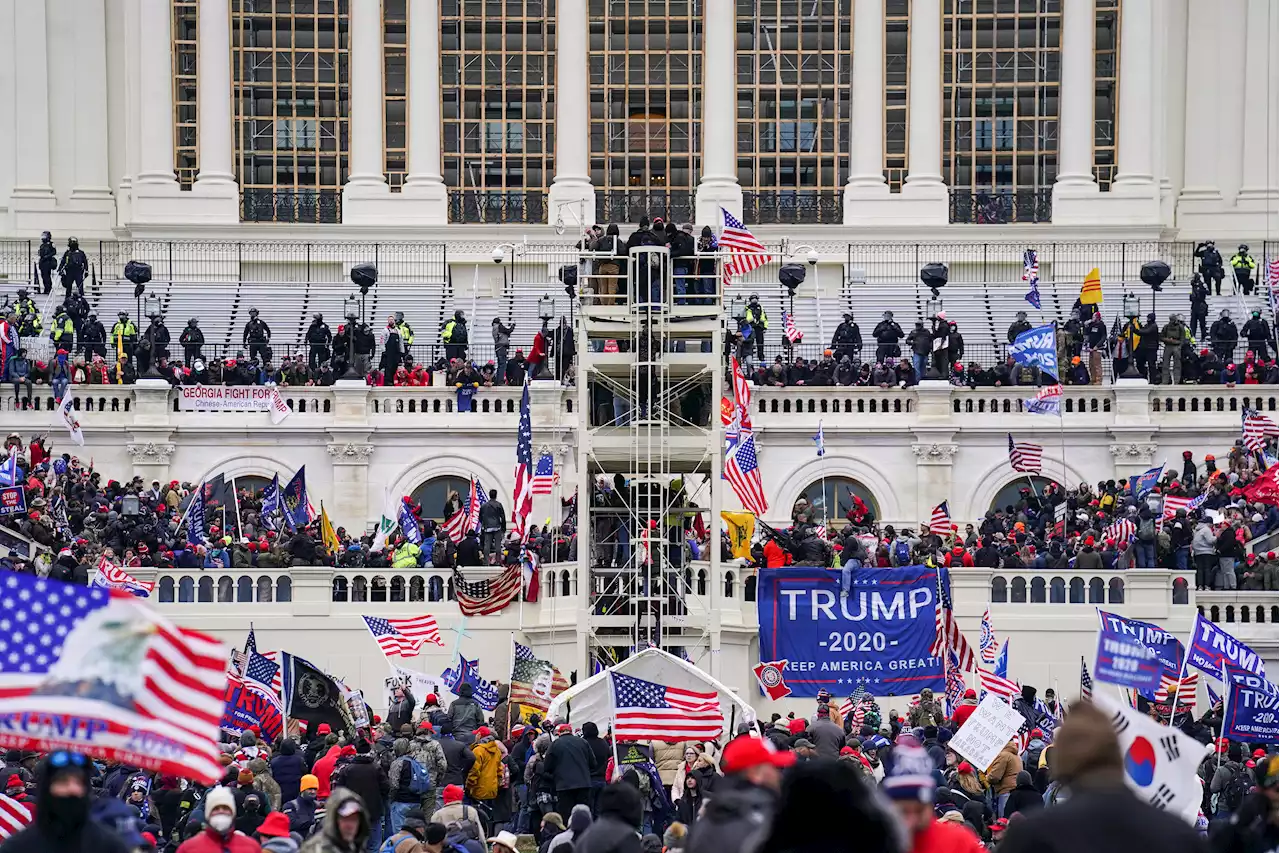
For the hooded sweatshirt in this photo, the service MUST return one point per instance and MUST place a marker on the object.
(328, 840)
(63, 827)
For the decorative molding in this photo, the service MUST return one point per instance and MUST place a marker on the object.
(1133, 451)
(150, 452)
(935, 454)
(350, 453)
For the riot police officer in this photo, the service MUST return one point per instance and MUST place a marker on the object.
(257, 336)
(191, 339)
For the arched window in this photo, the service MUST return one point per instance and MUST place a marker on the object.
(186, 589)
(838, 497)
(166, 590)
(432, 494)
(1097, 591)
(1077, 590)
(1037, 590)
(359, 588)
(339, 588)
(284, 588)
(1018, 590)
(749, 588)
(1115, 591)
(999, 590)
(728, 584)
(265, 588)
(417, 588)
(1008, 496)
(397, 588)
(566, 588)
(550, 582)
(378, 588)
(244, 589)
(702, 581)
(226, 590)
(435, 588)
(1057, 591)
(1180, 594)
(206, 589)
(449, 593)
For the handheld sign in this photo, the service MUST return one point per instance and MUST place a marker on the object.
(986, 732)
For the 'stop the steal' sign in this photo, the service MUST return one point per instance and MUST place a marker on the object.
(877, 635)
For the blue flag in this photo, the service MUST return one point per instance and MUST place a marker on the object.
(1214, 698)
(1038, 348)
(10, 473)
(1047, 406)
(1140, 484)
(1251, 707)
(1211, 647)
(408, 524)
(1166, 648)
(271, 503)
(296, 507)
(195, 518)
(467, 672)
(1031, 275)
(1002, 661)
(820, 440)
(1124, 660)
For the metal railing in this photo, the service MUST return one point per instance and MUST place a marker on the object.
(277, 205)
(806, 207)
(1001, 207)
(624, 206)
(497, 207)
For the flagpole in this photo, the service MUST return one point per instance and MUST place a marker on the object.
(511, 680)
(1226, 697)
(199, 492)
(236, 498)
(613, 724)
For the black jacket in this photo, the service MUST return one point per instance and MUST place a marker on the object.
(363, 776)
(459, 757)
(570, 762)
(602, 752)
(36, 839)
(1110, 820)
(737, 814)
(287, 769)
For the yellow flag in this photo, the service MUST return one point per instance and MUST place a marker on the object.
(741, 527)
(1091, 290)
(327, 535)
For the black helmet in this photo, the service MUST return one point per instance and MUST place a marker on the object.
(193, 322)
(253, 312)
(1244, 247)
(73, 243)
(46, 236)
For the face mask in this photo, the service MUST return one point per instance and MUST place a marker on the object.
(220, 822)
(64, 815)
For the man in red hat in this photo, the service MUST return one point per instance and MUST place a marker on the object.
(745, 798)
(273, 834)
(965, 708)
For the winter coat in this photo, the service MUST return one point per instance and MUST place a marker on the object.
(302, 815)
(569, 763)
(736, 818)
(485, 774)
(1024, 798)
(328, 840)
(287, 769)
(1110, 820)
(323, 770)
(401, 713)
(94, 839)
(928, 712)
(668, 757)
(366, 779)
(263, 781)
(827, 737)
(963, 711)
(466, 713)
(208, 841)
(459, 758)
(1003, 772)
(427, 752)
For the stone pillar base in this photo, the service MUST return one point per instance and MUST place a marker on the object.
(425, 205)
(165, 204)
(571, 204)
(870, 206)
(714, 194)
(1127, 204)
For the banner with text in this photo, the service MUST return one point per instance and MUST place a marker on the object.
(1251, 707)
(1211, 647)
(234, 398)
(1125, 661)
(1166, 648)
(878, 635)
(986, 732)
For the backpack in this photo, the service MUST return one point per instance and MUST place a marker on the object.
(389, 846)
(1147, 530)
(902, 553)
(1237, 788)
(421, 781)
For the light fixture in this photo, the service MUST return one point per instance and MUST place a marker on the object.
(152, 303)
(351, 308)
(546, 308)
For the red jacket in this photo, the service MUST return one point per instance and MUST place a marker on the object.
(774, 556)
(943, 838)
(209, 841)
(323, 770)
(963, 711)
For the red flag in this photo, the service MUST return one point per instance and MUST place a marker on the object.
(1265, 489)
(769, 674)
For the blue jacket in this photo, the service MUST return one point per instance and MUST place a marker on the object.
(287, 769)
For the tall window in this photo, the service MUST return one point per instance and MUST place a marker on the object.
(645, 88)
(186, 137)
(831, 498)
(1000, 72)
(793, 61)
(290, 87)
(1106, 73)
(498, 74)
(433, 494)
(897, 28)
(395, 55)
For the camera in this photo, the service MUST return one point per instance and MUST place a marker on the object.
(497, 254)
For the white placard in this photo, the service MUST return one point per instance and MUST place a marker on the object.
(233, 398)
(986, 732)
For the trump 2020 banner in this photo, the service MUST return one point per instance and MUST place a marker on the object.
(245, 705)
(1165, 647)
(1211, 647)
(1250, 707)
(878, 635)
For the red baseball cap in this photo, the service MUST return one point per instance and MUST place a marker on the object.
(999, 825)
(745, 752)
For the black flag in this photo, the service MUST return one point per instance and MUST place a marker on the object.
(314, 697)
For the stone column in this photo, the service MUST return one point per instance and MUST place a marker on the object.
(718, 185)
(32, 186)
(924, 143)
(155, 69)
(350, 482)
(1259, 186)
(934, 463)
(1075, 102)
(92, 186)
(424, 182)
(1200, 191)
(572, 198)
(216, 176)
(866, 131)
(1137, 107)
(151, 459)
(367, 178)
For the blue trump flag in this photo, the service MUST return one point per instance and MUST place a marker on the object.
(1142, 483)
(1251, 707)
(195, 518)
(467, 672)
(270, 503)
(1002, 661)
(1211, 647)
(408, 524)
(295, 506)
(1038, 348)
(879, 635)
(1124, 660)
(1165, 647)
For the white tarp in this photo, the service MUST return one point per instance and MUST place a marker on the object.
(593, 699)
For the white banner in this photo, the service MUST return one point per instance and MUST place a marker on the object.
(233, 398)
(986, 732)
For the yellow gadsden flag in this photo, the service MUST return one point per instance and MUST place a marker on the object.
(1091, 290)
(741, 527)
(327, 534)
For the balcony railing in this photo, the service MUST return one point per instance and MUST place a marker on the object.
(1001, 207)
(806, 207)
(276, 205)
(623, 206)
(498, 207)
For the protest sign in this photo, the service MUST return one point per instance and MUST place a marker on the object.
(233, 398)
(1251, 707)
(13, 501)
(986, 732)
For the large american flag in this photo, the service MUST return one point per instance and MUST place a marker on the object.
(988, 646)
(1121, 531)
(1024, 456)
(535, 682)
(522, 496)
(947, 634)
(487, 595)
(76, 659)
(13, 816)
(1086, 681)
(467, 517)
(544, 475)
(746, 253)
(261, 670)
(993, 683)
(954, 681)
(403, 637)
(648, 711)
(111, 576)
(742, 470)
(789, 328)
(741, 394)
(940, 520)
(1256, 429)
(1173, 503)
(855, 702)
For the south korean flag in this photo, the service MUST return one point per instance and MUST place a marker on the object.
(1159, 762)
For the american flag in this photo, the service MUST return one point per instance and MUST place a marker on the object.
(940, 520)
(1086, 681)
(988, 646)
(855, 703)
(1049, 392)
(746, 253)
(277, 680)
(111, 576)
(1024, 456)
(13, 816)
(261, 670)
(1185, 689)
(1173, 503)
(741, 393)
(993, 683)
(403, 637)
(544, 475)
(648, 711)
(534, 682)
(77, 659)
(742, 470)
(789, 328)
(488, 595)
(1256, 429)
(947, 634)
(954, 683)
(1031, 275)
(522, 497)
(1121, 531)
(467, 517)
